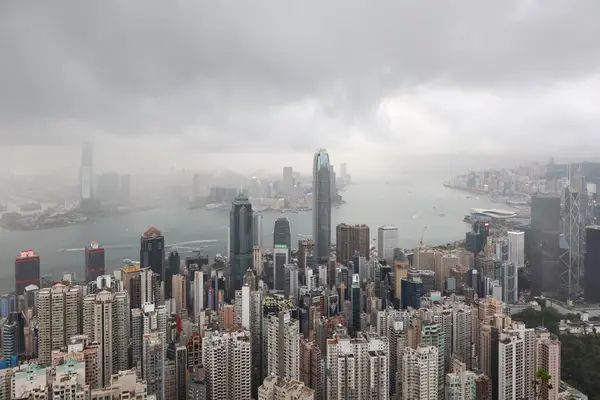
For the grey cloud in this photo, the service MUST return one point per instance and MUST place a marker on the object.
(296, 75)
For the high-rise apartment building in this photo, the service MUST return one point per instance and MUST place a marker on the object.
(511, 368)
(420, 373)
(351, 239)
(432, 334)
(357, 368)
(283, 346)
(462, 320)
(321, 194)
(227, 363)
(387, 241)
(152, 251)
(547, 358)
(240, 240)
(460, 383)
(59, 318)
(27, 271)
(145, 320)
(106, 320)
(154, 363)
(312, 368)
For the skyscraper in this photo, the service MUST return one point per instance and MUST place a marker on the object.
(592, 265)
(516, 248)
(351, 239)
(152, 251)
(27, 271)
(240, 240)
(321, 194)
(387, 241)
(94, 262)
(257, 230)
(281, 233)
(545, 247)
(198, 290)
(86, 172)
(288, 181)
(173, 265)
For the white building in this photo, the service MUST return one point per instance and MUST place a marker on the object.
(357, 368)
(387, 241)
(198, 292)
(511, 367)
(30, 382)
(227, 361)
(59, 318)
(69, 381)
(516, 248)
(420, 373)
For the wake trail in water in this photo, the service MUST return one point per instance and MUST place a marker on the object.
(132, 246)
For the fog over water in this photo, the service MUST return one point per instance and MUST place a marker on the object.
(372, 203)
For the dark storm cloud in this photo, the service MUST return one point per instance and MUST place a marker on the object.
(229, 74)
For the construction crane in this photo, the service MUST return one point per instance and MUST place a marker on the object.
(422, 234)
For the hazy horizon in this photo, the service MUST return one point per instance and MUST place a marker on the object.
(250, 87)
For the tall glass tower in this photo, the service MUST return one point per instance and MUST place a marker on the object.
(321, 205)
(240, 240)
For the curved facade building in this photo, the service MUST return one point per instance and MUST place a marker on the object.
(321, 205)
(281, 233)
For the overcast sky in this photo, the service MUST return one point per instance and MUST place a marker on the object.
(260, 84)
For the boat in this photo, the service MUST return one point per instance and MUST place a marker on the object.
(214, 206)
(442, 215)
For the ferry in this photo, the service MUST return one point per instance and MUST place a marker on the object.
(215, 206)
